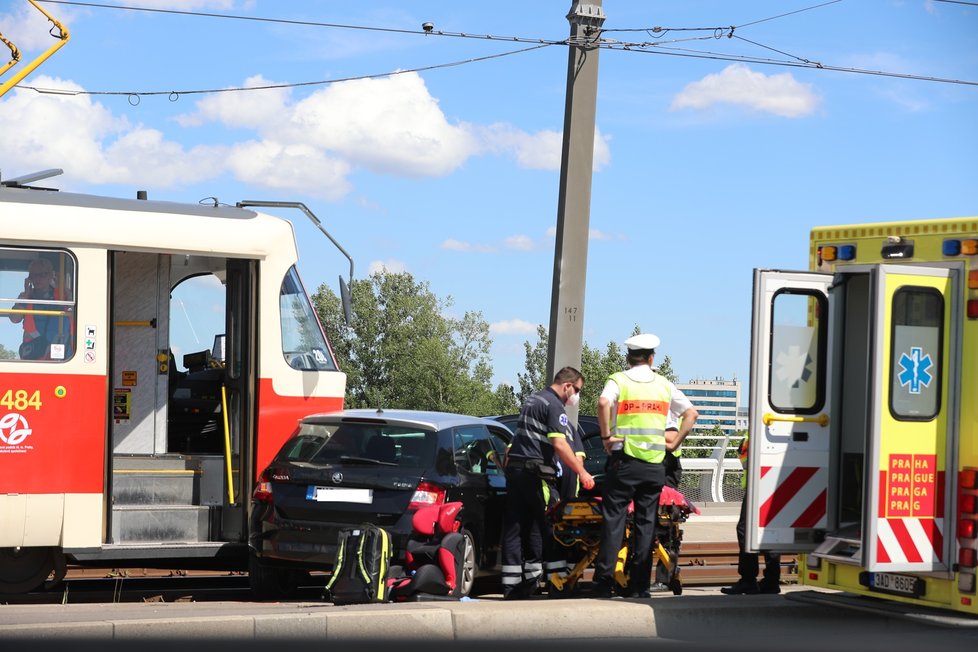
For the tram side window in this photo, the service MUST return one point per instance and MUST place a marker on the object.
(37, 304)
(303, 342)
(916, 353)
(798, 340)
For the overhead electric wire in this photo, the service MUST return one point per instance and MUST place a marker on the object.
(175, 94)
(797, 11)
(655, 47)
(306, 23)
(779, 62)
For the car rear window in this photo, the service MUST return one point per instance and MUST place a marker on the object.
(360, 443)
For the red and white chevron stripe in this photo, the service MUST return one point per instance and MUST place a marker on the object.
(909, 540)
(793, 497)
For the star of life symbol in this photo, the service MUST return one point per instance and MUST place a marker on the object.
(915, 370)
(793, 366)
(13, 429)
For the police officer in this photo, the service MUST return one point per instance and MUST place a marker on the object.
(632, 413)
(674, 475)
(540, 439)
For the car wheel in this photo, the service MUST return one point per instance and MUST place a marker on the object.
(469, 565)
(270, 583)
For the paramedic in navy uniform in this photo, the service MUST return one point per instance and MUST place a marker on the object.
(541, 438)
(633, 414)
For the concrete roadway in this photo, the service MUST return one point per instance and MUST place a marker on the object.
(701, 618)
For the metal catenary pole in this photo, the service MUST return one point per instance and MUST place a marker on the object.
(566, 332)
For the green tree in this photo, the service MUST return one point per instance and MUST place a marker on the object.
(595, 365)
(6, 354)
(665, 369)
(704, 447)
(535, 367)
(402, 351)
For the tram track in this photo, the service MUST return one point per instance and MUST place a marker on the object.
(701, 565)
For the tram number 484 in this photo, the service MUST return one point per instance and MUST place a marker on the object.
(21, 399)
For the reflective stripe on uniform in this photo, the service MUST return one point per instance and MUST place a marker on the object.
(532, 571)
(556, 566)
(642, 416)
(512, 575)
(646, 445)
(541, 428)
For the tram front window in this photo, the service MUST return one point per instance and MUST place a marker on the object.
(303, 342)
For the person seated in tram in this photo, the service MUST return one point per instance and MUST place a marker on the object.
(40, 331)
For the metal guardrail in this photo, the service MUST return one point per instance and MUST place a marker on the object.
(714, 474)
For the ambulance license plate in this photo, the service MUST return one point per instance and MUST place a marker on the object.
(896, 584)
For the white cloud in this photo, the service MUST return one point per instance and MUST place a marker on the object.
(187, 5)
(29, 30)
(390, 125)
(250, 109)
(520, 243)
(539, 151)
(457, 245)
(512, 327)
(737, 84)
(54, 130)
(392, 266)
(288, 167)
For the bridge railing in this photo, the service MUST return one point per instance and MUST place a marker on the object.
(711, 468)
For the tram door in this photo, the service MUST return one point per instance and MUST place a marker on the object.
(140, 332)
(182, 385)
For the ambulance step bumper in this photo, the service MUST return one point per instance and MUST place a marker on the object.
(928, 615)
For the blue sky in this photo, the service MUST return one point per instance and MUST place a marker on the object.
(705, 167)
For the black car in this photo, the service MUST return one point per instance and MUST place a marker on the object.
(379, 466)
(595, 454)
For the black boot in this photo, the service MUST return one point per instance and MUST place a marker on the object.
(742, 587)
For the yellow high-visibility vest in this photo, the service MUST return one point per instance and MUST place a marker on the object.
(641, 421)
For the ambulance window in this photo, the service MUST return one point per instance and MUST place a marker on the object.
(798, 337)
(303, 342)
(37, 305)
(916, 345)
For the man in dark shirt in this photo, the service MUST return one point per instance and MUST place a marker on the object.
(540, 440)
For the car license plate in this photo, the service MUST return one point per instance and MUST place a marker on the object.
(896, 584)
(339, 495)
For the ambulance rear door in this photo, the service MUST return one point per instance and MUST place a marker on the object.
(788, 488)
(913, 425)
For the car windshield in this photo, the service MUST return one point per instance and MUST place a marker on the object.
(360, 443)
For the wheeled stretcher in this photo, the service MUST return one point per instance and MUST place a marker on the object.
(577, 527)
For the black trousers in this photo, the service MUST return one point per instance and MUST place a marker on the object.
(748, 564)
(629, 480)
(674, 475)
(528, 538)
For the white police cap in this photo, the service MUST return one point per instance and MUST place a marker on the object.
(642, 342)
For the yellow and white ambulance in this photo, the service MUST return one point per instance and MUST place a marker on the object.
(864, 414)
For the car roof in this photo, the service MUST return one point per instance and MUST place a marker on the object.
(426, 419)
(584, 420)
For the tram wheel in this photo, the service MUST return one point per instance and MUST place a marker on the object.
(24, 569)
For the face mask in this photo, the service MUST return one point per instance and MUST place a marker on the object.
(573, 399)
